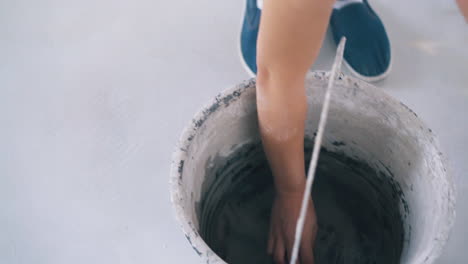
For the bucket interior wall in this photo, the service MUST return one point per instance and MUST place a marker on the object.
(363, 126)
(358, 209)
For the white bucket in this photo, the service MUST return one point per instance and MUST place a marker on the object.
(364, 124)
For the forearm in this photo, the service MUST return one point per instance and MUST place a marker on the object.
(291, 33)
(281, 120)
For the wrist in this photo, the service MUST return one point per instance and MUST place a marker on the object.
(295, 189)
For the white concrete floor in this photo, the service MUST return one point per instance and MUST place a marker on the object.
(94, 94)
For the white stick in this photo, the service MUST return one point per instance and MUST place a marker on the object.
(316, 151)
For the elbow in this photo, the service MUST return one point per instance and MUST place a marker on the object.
(271, 79)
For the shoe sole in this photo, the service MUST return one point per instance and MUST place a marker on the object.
(370, 79)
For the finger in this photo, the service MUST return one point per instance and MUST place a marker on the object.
(307, 259)
(289, 251)
(306, 247)
(278, 255)
(306, 255)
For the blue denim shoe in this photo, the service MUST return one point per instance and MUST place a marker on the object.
(248, 37)
(367, 52)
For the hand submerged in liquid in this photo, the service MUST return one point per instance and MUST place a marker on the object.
(284, 214)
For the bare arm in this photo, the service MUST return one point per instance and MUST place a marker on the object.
(291, 33)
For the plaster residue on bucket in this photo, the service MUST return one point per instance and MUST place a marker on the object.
(357, 208)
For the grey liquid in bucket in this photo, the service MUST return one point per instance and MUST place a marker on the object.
(382, 191)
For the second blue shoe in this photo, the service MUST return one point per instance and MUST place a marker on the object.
(367, 53)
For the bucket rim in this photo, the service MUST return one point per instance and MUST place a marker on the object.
(233, 93)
